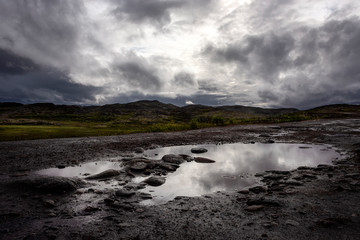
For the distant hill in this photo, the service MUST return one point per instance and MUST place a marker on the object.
(47, 120)
(148, 109)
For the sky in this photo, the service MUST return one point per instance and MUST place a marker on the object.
(273, 53)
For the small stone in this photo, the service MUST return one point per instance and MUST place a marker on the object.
(199, 150)
(60, 166)
(258, 189)
(254, 208)
(292, 223)
(91, 209)
(244, 191)
(49, 203)
(145, 195)
(155, 181)
(172, 158)
(124, 193)
(203, 160)
(139, 210)
(105, 174)
(270, 141)
(138, 150)
(139, 166)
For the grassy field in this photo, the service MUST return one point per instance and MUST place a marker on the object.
(42, 123)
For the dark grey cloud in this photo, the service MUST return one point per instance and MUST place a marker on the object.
(184, 79)
(138, 75)
(301, 66)
(138, 11)
(24, 81)
(268, 53)
(45, 31)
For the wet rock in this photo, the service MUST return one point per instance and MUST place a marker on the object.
(264, 201)
(292, 182)
(258, 189)
(244, 191)
(145, 195)
(199, 150)
(172, 158)
(292, 223)
(203, 160)
(264, 135)
(105, 174)
(187, 157)
(138, 150)
(124, 193)
(279, 172)
(49, 203)
(155, 181)
(49, 184)
(254, 208)
(273, 177)
(139, 166)
(91, 209)
(169, 167)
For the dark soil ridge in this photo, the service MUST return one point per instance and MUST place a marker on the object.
(307, 203)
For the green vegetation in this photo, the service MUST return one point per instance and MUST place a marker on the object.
(39, 121)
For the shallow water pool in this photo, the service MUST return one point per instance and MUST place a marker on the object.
(234, 168)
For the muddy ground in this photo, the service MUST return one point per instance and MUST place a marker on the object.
(307, 203)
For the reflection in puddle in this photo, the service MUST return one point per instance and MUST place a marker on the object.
(81, 170)
(234, 168)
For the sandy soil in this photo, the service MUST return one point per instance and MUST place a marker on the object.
(306, 203)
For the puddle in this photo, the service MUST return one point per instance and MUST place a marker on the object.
(82, 170)
(234, 168)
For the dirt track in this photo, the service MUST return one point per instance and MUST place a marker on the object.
(322, 205)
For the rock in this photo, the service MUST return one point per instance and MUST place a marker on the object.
(244, 191)
(254, 208)
(105, 174)
(292, 182)
(273, 177)
(169, 167)
(270, 141)
(199, 150)
(49, 184)
(138, 150)
(264, 135)
(124, 193)
(264, 201)
(279, 172)
(49, 203)
(60, 166)
(91, 209)
(258, 189)
(292, 223)
(139, 166)
(172, 158)
(155, 181)
(187, 157)
(203, 160)
(145, 195)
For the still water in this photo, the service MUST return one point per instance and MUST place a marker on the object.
(234, 168)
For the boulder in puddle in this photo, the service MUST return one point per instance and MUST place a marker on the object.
(199, 150)
(204, 160)
(50, 184)
(172, 158)
(155, 181)
(105, 174)
(139, 166)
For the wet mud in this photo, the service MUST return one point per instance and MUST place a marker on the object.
(317, 202)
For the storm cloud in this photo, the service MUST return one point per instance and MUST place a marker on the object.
(262, 53)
